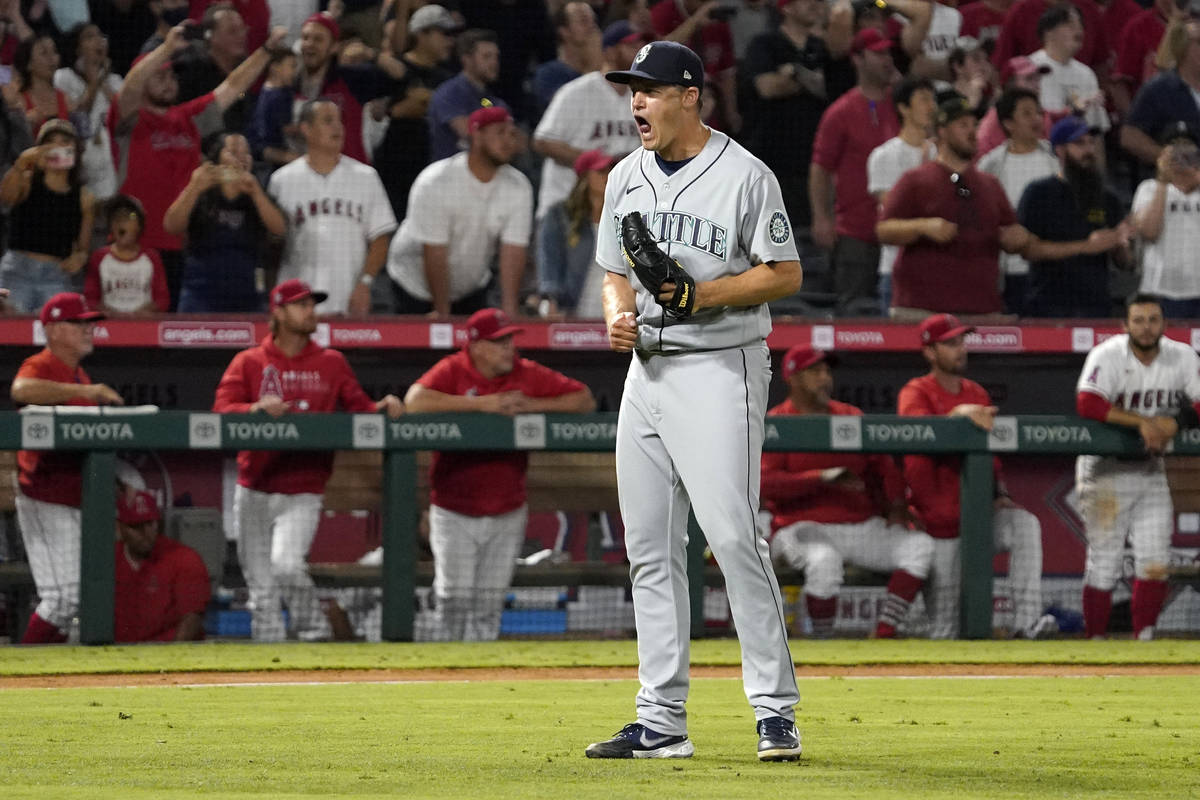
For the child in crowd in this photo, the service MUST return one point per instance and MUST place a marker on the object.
(124, 277)
(273, 114)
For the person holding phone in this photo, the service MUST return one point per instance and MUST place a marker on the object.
(51, 218)
(226, 217)
(1164, 216)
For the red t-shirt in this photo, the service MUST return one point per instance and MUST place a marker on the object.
(45, 475)
(125, 286)
(483, 484)
(1137, 47)
(981, 21)
(849, 130)
(255, 13)
(962, 276)
(1116, 15)
(933, 480)
(156, 154)
(792, 488)
(1019, 37)
(153, 599)
(315, 381)
(713, 42)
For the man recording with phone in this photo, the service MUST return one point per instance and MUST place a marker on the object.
(1166, 215)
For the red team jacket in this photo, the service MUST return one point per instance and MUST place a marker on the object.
(933, 480)
(792, 489)
(317, 380)
(153, 599)
(43, 475)
(484, 484)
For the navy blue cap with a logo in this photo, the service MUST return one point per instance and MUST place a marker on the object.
(663, 62)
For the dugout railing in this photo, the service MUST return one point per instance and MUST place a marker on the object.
(99, 433)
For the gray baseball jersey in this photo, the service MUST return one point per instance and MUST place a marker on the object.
(719, 215)
(691, 423)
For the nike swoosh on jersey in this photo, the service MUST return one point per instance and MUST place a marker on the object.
(633, 188)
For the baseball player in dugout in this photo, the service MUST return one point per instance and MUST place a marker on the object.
(162, 587)
(277, 502)
(831, 508)
(933, 482)
(50, 484)
(695, 241)
(477, 510)
(1145, 381)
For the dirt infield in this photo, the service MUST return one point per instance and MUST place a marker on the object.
(332, 676)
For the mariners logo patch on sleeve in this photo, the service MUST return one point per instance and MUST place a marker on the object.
(779, 228)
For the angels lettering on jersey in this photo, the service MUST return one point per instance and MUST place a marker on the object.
(291, 383)
(680, 227)
(607, 129)
(328, 207)
(1143, 399)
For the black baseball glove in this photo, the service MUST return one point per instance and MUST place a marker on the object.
(654, 267)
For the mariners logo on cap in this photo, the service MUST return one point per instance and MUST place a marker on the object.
(779, 228)
(641, 54)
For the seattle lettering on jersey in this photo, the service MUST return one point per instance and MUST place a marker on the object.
(329, 207)
(680, 227)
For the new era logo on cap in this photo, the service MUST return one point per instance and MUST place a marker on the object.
(663, 62)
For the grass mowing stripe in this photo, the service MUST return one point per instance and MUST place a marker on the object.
(239, 657)
(884, 739)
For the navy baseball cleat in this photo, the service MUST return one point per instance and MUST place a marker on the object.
(778, 740)
(637, 741)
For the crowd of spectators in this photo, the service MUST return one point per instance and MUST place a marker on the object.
(189, 107)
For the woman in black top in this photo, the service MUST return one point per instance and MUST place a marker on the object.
(50, 220)
(226, 215)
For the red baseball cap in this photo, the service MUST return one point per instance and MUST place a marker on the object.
(800, 358)
(489, 115)
(489, 324)
(134, 508)
(941, 327)
(68, 307)
(593, 159)
(327, 22)
(293, 290)
(870, 39)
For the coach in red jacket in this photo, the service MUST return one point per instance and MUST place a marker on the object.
(934, 483)
(477, 510)
(277, 503)
(829, 508)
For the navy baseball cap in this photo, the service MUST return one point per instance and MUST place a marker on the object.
(663, 62)
(1070, 129)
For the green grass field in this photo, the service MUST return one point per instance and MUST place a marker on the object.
(879, 738)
